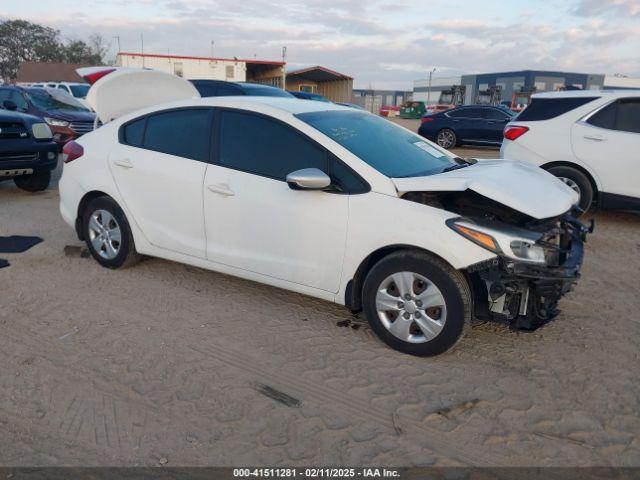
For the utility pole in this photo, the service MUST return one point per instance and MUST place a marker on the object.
(212, 44)
(429, 87)
(117, 39)
(142, 48)
(284, 64)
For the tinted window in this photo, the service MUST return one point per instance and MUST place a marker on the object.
(5, 94)
(260, 145)
(391, 150)
(184, 133)
(19, 100)
(494, 114)
(628, 115)
(228, 90)
(466, 113)
(346, 178)
(133, 132)
(604, 118)
(547, 108)
(206, 90)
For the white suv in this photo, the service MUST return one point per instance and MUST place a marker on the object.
(324, 200)
(590, 139)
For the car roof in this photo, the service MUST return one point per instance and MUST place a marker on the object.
(588, 93)
(291, 105)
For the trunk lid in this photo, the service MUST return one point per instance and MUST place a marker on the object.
(125, 90)
(523, 187)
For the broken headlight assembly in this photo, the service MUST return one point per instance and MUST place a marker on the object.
(502, 239)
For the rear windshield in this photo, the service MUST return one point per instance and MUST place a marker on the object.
(548, 108)
(79, 91)
(391, 150)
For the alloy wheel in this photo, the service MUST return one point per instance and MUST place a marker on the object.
(571, 184)
(411, 307)
(105, 234)
(446, 139)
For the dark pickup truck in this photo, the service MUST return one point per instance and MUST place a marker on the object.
(27, 152)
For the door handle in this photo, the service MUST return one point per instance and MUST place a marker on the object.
(597, 138)
(221, 189)
(124, 163)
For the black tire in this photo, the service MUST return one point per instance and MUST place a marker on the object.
(447, 138)
(452, 285)
(580, 180)
(36, 182)
(126, 254)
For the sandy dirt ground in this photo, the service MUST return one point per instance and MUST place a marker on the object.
(166, 364)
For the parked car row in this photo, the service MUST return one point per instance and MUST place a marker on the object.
(324, 200)
(589, 139)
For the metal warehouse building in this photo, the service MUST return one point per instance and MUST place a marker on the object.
(333, 85)
(523, 80)
(209, 68)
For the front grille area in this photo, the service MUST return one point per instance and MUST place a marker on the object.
(81, 127)
(18, 157)
(13, 130)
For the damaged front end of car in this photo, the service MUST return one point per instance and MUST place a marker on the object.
(536, 263)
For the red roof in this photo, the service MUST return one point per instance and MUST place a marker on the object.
(209, 59)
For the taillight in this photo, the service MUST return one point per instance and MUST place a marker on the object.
(511, 132)
(71, 151)
(95, 76)
(426, 119)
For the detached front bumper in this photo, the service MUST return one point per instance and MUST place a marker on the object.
(527, 295)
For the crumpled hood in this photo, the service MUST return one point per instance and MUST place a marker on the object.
(521, 186)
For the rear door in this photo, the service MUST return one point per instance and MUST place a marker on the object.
(159, 166)
(467, 123)
(495, 121)
(608, 141)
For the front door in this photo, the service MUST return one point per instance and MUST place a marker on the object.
(255, 221)
(608, 142)
(159, 166)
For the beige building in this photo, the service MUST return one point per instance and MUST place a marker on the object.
(207, 68)
(337, 87)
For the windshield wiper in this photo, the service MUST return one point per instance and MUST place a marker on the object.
(457, 166)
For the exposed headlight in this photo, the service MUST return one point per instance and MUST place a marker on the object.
(514, 243)
(41, 131)
(55, 122)
(528, 251)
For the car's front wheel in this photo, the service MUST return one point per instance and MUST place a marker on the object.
(446, 138)
(416, 303)
(36, 182)
(578, 182)
(108, 235)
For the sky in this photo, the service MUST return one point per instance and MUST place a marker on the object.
(381, 43)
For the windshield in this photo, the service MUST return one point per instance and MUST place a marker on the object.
(48, 100)
(79, 91)
(391, 150)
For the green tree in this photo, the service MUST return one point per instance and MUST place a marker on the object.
(22, 41)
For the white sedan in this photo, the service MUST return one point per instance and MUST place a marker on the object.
(323, 200)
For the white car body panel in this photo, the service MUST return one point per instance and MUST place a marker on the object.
(291, 235)
(310, 242)
(168, 208)
(515, 184)
(611, 159)
(127, 90)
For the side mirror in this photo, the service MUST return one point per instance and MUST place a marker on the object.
(10, 105)
(308, 179)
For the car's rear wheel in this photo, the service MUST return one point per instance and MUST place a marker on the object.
(108, 235)
(446, 138)
(36, 182)
(577, 181)
(416, 303)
